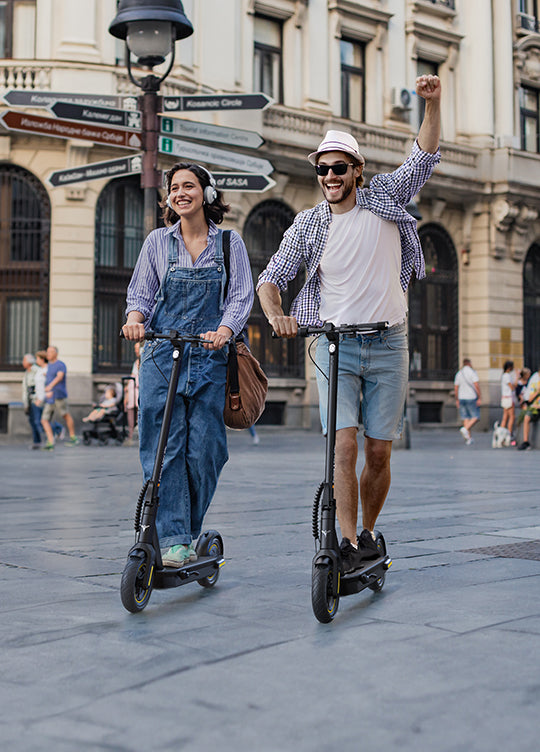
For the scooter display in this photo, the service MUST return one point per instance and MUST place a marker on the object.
(329, 582)
(144, 568)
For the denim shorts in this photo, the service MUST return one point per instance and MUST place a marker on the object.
(468, 409)
(373, 370)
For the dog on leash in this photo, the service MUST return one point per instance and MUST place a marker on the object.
(501, 436)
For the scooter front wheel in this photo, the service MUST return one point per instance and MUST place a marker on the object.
(323, 599)
(136, 585)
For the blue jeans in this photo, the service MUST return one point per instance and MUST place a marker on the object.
(197, 446)
(34, 418)
(373, 369)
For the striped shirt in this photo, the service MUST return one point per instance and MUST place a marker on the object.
(151, 268)
(305, 240)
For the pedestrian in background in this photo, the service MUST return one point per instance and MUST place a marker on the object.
(468, 398)
(532, 408)
(56, 398)
(32, 411)
(508, 390)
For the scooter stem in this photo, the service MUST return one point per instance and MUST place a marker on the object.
(167, 414)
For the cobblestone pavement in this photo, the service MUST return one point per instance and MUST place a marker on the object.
(444, 659)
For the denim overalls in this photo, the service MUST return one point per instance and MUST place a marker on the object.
(189, 300)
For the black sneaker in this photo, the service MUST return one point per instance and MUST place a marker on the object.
(350, 556)
(523, 446)
(367, 547)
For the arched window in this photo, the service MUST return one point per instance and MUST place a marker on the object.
(262, 234)
(433, 309)
(119, 237)
(25, 214)
(531, 308)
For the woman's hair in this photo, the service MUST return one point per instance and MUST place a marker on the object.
(214, 211)
(508, 365)
(43, 355)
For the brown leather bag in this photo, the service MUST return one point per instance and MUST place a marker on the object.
(246, 389)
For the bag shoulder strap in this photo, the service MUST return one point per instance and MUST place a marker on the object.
(227, 258)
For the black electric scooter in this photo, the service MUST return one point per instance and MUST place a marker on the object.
(328, 581)
(144, 568)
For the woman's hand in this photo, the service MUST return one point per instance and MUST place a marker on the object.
(133, 329)
(218, 339)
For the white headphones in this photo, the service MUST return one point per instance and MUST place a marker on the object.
(209, 193)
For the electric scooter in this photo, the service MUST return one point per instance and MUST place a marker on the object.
(144, 568)
(329, 582)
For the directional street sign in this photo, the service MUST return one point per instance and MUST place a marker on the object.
(34, 98)
(46, 126)
(112, 168)
(243, 181)
(216, 102)
(202, 153)
(215, 133)
(105, 115)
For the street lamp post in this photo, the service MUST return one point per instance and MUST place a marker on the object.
(150, 29)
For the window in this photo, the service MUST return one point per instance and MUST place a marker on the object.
(433, 309)
(262, 234)
(24, 265)
(424, 68)
(528, 15)
(18, 29)
(529, 108)
(352, 80)
(531, 308)
(119, 237)
(267, 57)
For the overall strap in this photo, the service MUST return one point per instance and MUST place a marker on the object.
(173, 251)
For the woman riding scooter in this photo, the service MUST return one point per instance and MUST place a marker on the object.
(179, 283)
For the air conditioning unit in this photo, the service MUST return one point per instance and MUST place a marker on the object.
(529, 23)
(402, 99)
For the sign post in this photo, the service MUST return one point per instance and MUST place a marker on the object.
(46, 126)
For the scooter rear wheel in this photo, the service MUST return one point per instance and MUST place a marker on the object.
(134, 593)
(378, 585)
(212, 547)
(323, 600)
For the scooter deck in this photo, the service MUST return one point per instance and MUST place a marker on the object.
(205, 566)
(354, 582)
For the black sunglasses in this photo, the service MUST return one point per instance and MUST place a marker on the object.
(338, 169)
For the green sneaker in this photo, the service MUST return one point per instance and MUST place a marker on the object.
(192, 552)
(176, 556)
(48, 446)
(73, 441)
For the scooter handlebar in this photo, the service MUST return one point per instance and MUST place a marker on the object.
(172, 335)
(308, 331)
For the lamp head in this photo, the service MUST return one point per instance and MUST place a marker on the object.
(151, 27)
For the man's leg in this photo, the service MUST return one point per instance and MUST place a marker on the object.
(346, 481)
(48, 430)
(375, 479)
(70, 425)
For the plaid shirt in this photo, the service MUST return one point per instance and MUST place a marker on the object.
(305, 240)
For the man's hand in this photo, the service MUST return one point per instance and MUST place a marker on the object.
(284, 326)
(429, 88)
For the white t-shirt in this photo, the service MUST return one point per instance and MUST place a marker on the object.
(506, 388)
(360, 269)
(464, 381)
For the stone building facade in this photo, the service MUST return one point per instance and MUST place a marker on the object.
(66, 252)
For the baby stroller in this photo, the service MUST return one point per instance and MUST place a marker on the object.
(110, 427)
